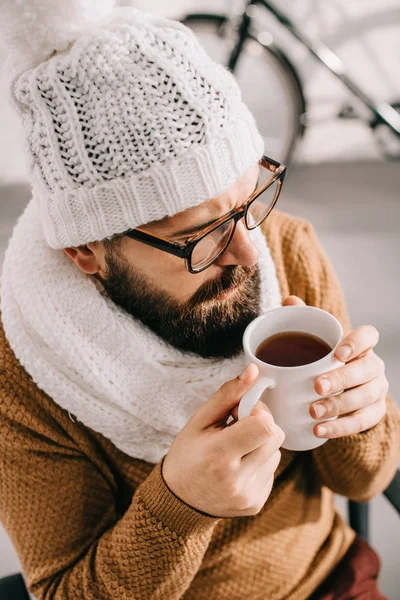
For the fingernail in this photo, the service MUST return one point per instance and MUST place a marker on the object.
(321, 431)
(343, 352)
(319, 410)
(325, 385)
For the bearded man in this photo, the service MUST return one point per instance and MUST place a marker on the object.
(150, 243)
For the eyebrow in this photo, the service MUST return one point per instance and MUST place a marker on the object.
(197, 228)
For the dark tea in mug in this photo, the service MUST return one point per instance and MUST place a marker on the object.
(292, 349)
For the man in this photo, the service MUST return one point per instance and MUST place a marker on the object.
(127, 286)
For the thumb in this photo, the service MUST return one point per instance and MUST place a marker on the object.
(220, 405)
(293, 301)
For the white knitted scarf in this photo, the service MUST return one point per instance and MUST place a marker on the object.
(110, 371)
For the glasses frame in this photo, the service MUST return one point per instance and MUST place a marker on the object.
(185, 249)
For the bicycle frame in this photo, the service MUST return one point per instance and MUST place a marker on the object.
(383, 112)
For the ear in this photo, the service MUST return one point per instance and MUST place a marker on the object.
(84, 258)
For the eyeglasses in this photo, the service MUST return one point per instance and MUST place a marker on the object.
(204, 248)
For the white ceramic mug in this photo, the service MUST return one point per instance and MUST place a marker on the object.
(289, 391)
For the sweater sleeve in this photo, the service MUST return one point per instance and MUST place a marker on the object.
(358, 466)
(61, 510)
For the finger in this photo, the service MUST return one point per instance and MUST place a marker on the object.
(293, 301)
(259, 457)
(351, 400)
(250, 433)
(356, 422)
(219, 406)
(262, 487)
(260, 406)
(273, 462)
(355, 373)
(258, 475)
(355, 343)
(264, 475)
(268, 488)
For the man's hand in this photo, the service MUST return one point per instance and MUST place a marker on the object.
(361, 383)
(225, 470)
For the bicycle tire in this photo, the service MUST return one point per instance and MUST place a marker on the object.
(348, 35)
(284, 73)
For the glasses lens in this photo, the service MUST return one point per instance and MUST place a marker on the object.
(260, 208)
(211, 246)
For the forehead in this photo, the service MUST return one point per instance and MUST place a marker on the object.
(235, 195)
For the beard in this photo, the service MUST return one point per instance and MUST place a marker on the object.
(204, 325)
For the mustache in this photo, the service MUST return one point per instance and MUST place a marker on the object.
(232, 277)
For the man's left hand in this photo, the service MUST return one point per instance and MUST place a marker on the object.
(361, 385)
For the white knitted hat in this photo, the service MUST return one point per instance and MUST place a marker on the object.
(127, 119)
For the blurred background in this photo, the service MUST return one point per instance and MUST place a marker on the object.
(342, 176)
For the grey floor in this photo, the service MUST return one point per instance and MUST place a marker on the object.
(355, 209)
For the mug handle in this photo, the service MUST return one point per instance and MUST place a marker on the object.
(250, 399)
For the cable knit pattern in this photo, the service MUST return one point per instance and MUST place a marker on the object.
(90, 522)
(106, 368)
(132, 123)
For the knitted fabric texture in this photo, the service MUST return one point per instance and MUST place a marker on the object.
(131, 123)
(35, 29)
(95, 360)
(88, 521)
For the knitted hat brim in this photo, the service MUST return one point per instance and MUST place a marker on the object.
(87, 214)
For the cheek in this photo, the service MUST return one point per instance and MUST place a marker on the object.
(175, 279)
(168, 272)
(181, 284)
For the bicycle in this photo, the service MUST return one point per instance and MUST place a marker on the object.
(238, 41)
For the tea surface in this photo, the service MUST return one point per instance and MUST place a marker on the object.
(292, 349)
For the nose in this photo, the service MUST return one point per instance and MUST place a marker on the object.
(241, 250)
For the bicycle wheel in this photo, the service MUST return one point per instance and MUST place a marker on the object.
(368, 43)
(269, 84)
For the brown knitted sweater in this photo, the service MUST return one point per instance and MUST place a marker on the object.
(89, 522)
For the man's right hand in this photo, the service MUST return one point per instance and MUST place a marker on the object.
(225, 470)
